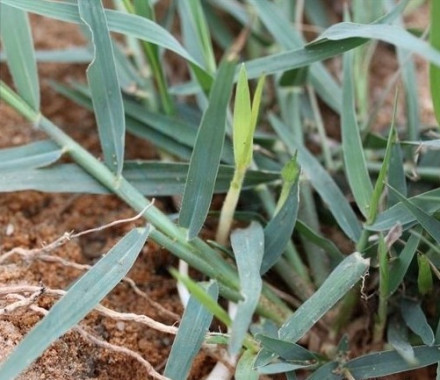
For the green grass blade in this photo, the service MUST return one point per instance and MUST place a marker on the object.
(19, 47)
(69, 55)
(104, 86)
(150, 178)
(81, 297)
(429, 202)
(382, 32)
(396, 174)
(289, 39)
(400, 265)
(434, 69)
(338, 283)
(248, 247)
(245, 367)
(390, 362)
(321, 181)
(278, 231)
(353, 152)
(397, 336)
(196, 33)
(206, 154)
(294, 59)
(30, 156)
(415, 319)
(428, 222)
(189, 339)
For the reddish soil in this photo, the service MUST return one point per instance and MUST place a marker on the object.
(31, 219)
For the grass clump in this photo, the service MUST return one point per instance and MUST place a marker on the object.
(258, 153)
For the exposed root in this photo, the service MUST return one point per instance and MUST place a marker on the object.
(36, 291)
(95, 340)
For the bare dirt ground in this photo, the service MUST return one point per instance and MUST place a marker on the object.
(31, 219)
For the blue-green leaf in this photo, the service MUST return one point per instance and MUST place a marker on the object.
(353, 152)
(415, 319)
(30, 156)
(339, 282)
(206, 155)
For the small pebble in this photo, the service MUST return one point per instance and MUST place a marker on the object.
(9, 229)
(120, 325)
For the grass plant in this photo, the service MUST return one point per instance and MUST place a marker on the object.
(259, 155)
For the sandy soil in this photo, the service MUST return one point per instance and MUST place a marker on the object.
(31, 219)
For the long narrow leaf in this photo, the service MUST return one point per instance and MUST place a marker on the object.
(81, 297)
(339, 282)
(387, 33)
(205, 159)
(429, 202)
(248, 247)
(150, 178)
(19, 48)
(353, 153)
(390, 362)
(104, 86)
(189, 339)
